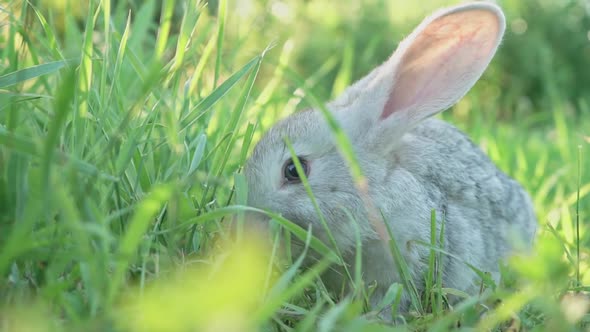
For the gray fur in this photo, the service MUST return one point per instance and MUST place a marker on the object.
(413, 164)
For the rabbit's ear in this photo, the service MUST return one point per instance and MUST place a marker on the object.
(431, 69)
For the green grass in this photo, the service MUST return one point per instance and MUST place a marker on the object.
(122, 141)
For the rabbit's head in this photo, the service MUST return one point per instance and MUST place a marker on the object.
(430, 71)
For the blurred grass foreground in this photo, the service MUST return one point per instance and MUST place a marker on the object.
(124, 126)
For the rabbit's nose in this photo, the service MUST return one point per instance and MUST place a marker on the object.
(251, 223)
(256, 223)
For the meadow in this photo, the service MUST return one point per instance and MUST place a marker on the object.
(125, 125)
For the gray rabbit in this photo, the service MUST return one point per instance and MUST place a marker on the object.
(413, 163)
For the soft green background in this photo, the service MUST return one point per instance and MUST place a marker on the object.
(121, 135)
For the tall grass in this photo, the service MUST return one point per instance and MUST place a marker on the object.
(123, 134)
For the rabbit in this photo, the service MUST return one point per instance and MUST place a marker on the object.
(412, 162)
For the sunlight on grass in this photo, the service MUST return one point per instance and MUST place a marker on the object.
(221, 295)
(545, 266)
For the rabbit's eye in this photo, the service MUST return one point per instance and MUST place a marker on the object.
(290, 171)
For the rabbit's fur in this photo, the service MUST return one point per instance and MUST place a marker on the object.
(412, 163)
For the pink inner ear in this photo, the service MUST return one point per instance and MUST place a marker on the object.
(442, 63)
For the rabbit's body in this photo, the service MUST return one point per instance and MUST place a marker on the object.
(484, 211)
(412, 163)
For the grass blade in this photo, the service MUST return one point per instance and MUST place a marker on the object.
(26, 74)
(217, 94)
(166, 17)
(404, 270)
(221, 17)
(62, 109)
(142, 218)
